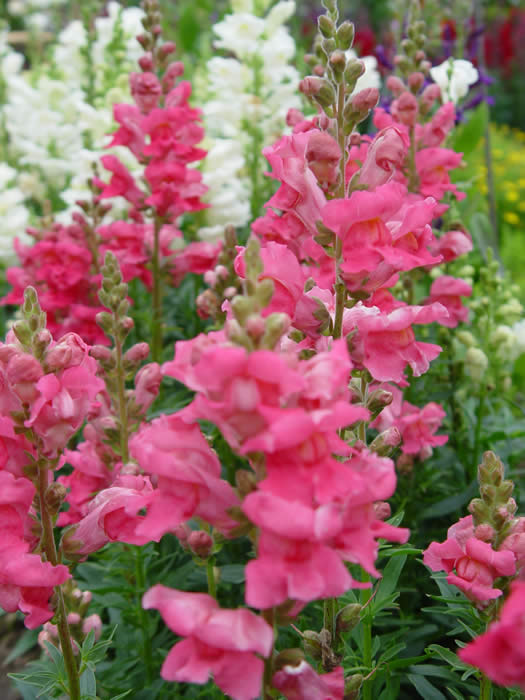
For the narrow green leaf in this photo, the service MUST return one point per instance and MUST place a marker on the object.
(425, 688)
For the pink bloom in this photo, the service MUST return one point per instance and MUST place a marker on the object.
(436, 130)
(475, 562)
(63, 402)
(301, 682)
(112, 516)
(452, 244)
(173, 132)
(26, 582)
(385, 156)
(218, 642)
(145, 90)
(385, 343)
(448, 291)
(197, 257)
(323, 155)
(187, 475)
(175, 188)
(433, 166)
(500, 651)
(147, 385)
(130, 133)
(14, 448)
(122, 183)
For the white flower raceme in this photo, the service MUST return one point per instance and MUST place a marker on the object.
(519, 332)
(454, 77)
(13, 213)
(247, 97)
(55, 129)
(371, 77)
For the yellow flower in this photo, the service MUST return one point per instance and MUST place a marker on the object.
(511, 218)
(512, 195)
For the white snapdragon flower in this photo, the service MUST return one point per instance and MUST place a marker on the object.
(454, 77)
(262, 48)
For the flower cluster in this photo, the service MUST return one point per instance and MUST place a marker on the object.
(483, 550)
(248, 96)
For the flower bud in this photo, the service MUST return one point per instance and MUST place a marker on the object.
(395, 85)
(415, 81)
(245, 481)
(310, 85)
(73, 618)
(345, 35)
(136, 354)
(337, 64)
(386, 442)
(288, 657)
(182, 532)
(201, 543)
(348, 618)
(264, 292)
(484, 532)
(326, 26)
(146, 61)
(378, 400)
(353, 686)
(476, 363)
(54, 497)
(93, 622)
(382, 510)
(255, 326)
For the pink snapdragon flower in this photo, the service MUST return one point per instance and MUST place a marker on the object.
(301, 682)
(26, 582)
(64, 400)
(112, 516)
(385, 343)
(187, 474)
(218, 642)
(385, 157)
(500, 651)
(448, 291)
(475, 562)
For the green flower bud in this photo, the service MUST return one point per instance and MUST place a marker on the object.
(345, 36)
(326, 26)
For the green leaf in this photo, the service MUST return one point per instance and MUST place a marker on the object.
(88, 685)
(388, 583)
(122, 695)
(425, 688)
(469, 134)
(451, 503)
(232, 573)
(447, 655)
(25, 642)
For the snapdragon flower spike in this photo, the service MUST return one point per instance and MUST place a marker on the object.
(500, 651)
(217, 641)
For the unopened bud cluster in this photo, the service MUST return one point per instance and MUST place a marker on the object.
(336, 74)
(223, 281)
(248, 327)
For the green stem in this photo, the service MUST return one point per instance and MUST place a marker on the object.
(485, 688)
(329, 615)
(210, 574)
(143, 618)
(269, 616)
(340, 287)
(49, 548)
(121, 398)
(367, 638)
(156, 325)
